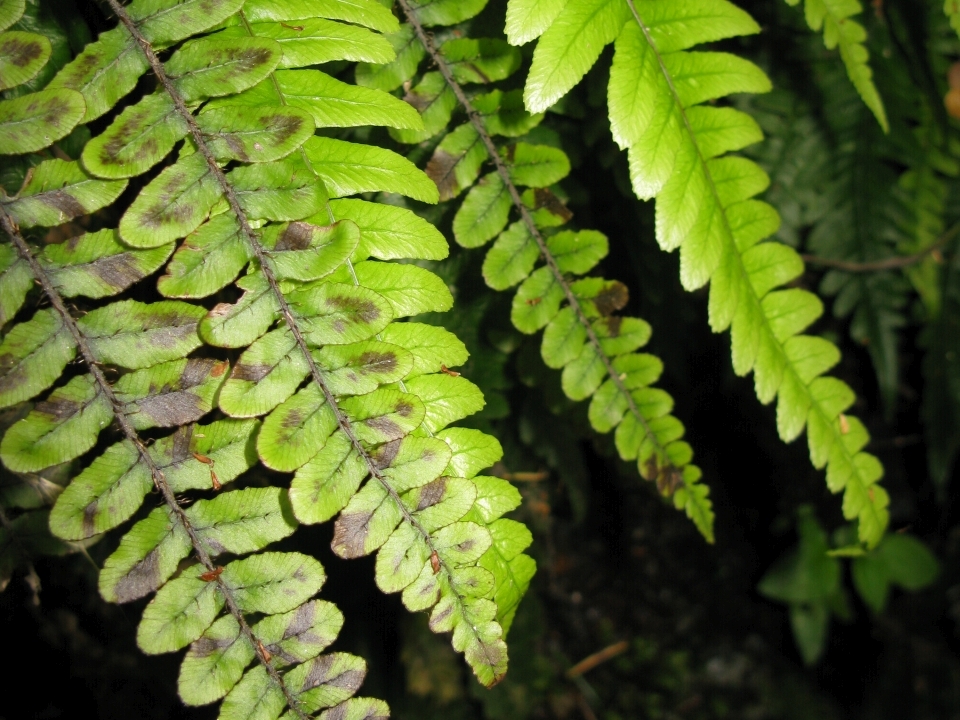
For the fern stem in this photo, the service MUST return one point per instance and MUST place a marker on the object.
(676, 476)
(892, 263)
(342, 421)
(119, 413)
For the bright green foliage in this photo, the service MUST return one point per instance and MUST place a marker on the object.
(22, 55)
(31, 122)
(583, 337)
(287, 334)
(326, 382)
(839, 31)
(676, 147)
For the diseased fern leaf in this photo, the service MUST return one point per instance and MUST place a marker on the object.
(245, 188)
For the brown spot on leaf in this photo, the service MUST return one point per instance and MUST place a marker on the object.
(250, 373)
(363, 310)
(612, 298)
(669, 479)
(236, 147)
(206, 646)
(89, 517)
(466, 545)
(297, 236)
(142, 579)
(418, 101)
(544, 198)
(58, 409)
(64, 202)
(322, 672)
(650, 469)
(293, 419)
(176, 405)
(432, 493)
(181, 444)
(342, 711)
(403, 409)
(441, 169)
(302, 620)
(387, 453)
(377, 362)
(386, 427)
(350, 534)
(117, 271)
(20, 52)
(57, 109)
(284, 126)
(437, 619)
(613, 323)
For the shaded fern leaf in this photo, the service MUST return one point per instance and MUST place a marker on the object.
(849, 36)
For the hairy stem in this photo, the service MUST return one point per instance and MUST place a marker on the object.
(675, 475)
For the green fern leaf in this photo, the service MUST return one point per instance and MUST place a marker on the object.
(361, 428)
(172, 205)
(330, 102)
(34, 354)
(136, 335)
(569, 47)
(207, 261)
(10, 12)
(348, 169)
(104, 72)
(391, 233)
(97, 265)
(15, 282)
(114, 485)
(393, 74)
(22, 56)
(32, 122)
(314, 41)
(675, 147)
(61, 428)
(368, 13)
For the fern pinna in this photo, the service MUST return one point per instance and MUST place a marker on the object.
(284, 318)
(595, 348)
(677, 149)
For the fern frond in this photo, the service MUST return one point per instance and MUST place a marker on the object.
(594, 348)
(676, 149)
(849, 36)
(370, 427)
